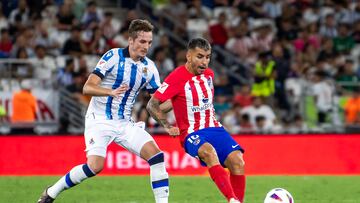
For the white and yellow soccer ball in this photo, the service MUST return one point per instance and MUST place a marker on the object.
(279, 195)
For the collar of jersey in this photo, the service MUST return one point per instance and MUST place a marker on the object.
(126, 54)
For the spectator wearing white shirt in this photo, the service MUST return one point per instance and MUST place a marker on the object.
(323, 95)
(260, 109)
(45, 65)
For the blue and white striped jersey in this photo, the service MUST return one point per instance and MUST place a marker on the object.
(116, 68)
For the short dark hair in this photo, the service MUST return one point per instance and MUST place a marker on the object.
(200, 43)
(138, 25)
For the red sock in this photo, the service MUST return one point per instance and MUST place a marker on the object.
(221, 179)
(238, 185)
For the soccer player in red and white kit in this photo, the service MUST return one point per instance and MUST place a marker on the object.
(191, 91)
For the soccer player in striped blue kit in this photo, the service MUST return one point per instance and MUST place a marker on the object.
(114, 84)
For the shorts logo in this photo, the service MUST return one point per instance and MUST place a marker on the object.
(233, 146)
(163, 87)
(196, 142)
(91, 141)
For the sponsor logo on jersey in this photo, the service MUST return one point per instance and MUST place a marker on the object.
(101, 64)
(201, 108)
(204, 99)
(163, 87)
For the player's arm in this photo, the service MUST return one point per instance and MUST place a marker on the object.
(165, 106)
(154, 109)
(92, 87)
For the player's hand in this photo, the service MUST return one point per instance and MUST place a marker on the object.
(116, 92)
(173, 131)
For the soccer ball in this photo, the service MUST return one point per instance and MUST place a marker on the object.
(278, 195)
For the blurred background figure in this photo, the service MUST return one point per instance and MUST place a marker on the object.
(23, 109)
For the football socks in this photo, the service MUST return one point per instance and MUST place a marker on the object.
(238, 184)
(159, 178)
(74, 177)
(221, 179)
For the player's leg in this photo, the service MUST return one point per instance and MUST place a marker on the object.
(158, 174)
(235, 163)
(77, 174)
(208, 155)
(137, 140)
(96, 146)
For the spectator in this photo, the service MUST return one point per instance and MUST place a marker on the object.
(328, 29)
(97, 44)
(65, 19)
(243, 96)
(22, 69)
(65, 75)
(218, 31)
(344, 42)
(323, 95)
(347, 77)
(162, 62)
(44, 65)
(76, 87)
(241, 43)
(91, 15)
(4, 24)
(245, 124)
(24, 106)
(298, 126)
(109, 26)
(352, 108)
(264, 76)
(75, 46)
(261, 125)
(260, 109)
(20, 14)
(5, 44)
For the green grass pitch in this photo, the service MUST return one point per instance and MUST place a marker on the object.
(118, 189)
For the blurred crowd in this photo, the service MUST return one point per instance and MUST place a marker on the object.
(288, 51)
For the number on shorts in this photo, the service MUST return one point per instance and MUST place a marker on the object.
(192, 138)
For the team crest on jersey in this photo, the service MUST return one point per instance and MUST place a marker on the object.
(163, 87)
(145, 71)
(209, 81)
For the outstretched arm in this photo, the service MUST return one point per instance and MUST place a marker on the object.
(153, 107)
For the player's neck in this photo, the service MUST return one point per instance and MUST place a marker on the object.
(188, 68)
(133, 56)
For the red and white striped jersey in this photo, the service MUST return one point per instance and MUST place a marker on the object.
(192, 99)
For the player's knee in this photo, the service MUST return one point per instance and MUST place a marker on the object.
(241, 163)
(207, 154)
(96, 167)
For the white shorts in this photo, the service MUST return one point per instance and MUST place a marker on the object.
(100, 133)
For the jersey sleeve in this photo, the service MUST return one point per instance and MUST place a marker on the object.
(154, 82)
(168, 89)
(106, 63)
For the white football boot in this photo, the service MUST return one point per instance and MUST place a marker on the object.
(232, 200)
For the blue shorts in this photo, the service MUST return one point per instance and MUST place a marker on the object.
(221, 140)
